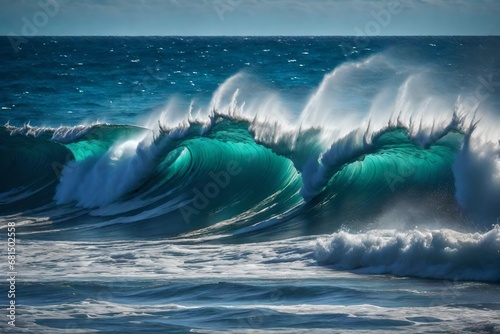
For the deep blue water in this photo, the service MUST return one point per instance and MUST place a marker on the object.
(252, 185)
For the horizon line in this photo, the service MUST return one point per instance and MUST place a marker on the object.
(357, 36)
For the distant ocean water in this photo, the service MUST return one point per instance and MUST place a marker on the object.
(251, 184)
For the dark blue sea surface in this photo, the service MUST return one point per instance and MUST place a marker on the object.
(251, 184)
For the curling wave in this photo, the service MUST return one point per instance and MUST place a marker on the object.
(249, 172)
(205, 173)
(249, 169)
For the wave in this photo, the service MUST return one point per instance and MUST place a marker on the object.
(442, 254)
(217, 171)
(248, 168)
(404, 173)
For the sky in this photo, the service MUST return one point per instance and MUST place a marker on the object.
(249, 17)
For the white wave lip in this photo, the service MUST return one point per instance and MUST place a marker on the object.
(441, 254)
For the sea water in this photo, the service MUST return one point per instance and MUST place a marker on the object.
(251, 184)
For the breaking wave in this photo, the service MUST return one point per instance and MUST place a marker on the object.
(247, 170)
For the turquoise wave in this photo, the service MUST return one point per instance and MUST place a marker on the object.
(218, 178)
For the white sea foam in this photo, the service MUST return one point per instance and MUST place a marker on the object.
(430, 253)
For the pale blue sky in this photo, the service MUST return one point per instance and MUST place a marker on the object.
(250, 17)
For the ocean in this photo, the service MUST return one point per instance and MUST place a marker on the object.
(250, 184)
